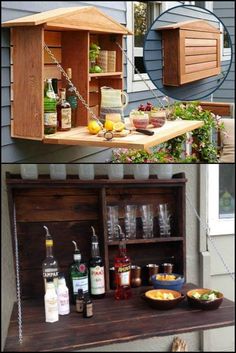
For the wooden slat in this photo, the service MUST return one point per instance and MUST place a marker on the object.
(200, 67)
(51, 71)
(200, 42)
(52, 38)
(28, 77)
(81, 136)
(200, 35)
(194, 59)
(126, 320)
(193, 76)
(218, 108)
(199, 50)
(56, 52)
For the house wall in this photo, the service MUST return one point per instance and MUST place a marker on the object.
(154, 59)
(152, 344)
(225, 11)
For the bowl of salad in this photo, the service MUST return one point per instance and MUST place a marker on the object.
(206, 299)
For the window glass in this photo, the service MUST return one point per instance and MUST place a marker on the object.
(226, 190)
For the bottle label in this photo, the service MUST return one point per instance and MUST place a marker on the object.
(124, 275)
(50, 94)
(49, 242)
(51, 308)
(66, 118)
(97, 280)
(73, 101)
(63, 302)
(79, 305)
(89, 310)
(80, 283)
(50, 119)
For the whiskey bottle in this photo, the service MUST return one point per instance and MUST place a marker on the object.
(72, 98)
(63, 113)
(122, 266)
(78, 274)
(96, 270)
(50, 111)
(50, 265)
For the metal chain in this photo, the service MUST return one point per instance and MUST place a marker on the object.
(18, 289)
(207, 230)
(140, 75)
(72, 85)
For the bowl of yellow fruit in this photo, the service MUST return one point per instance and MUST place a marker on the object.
(162, 299)
(167, 281)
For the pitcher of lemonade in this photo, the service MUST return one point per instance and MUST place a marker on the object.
(112, 101)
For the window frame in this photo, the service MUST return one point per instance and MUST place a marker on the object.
(217, 226)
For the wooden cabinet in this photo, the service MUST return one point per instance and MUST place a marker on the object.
(68, 33)
(69, 208)
(191, 51)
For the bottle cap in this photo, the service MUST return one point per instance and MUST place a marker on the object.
(80, 292)
(69, 72)
(61, 275)
(49, 280)
(77, 254)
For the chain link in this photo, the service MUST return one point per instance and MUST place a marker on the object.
(94, 117)
(141, 77)
(207, 230)
(18, 287)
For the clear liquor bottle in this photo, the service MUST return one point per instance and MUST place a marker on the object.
(50, 265)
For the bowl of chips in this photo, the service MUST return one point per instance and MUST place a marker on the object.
(162, 299)
(168, 281)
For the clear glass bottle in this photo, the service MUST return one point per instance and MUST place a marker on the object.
(122, 266)
(71, 98)
(50, 110)
(78, 274)
(50, 265)
(96, 270)
(63, 113)
(63, 296)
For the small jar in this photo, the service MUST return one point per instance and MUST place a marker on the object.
(135, 276)
(167, 268)
(80, 301)
(88, 306)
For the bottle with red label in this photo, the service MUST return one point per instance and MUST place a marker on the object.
(96, 270)
(78, 274)
(122, 266)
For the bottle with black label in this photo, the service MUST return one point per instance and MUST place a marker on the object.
(50, 265)
(78, 274)
(96, 270)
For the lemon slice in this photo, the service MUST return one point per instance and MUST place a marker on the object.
(119, 126)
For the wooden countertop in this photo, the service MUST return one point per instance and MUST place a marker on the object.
(113, 322)
(81, 136)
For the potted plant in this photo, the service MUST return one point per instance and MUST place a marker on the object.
(94, 51)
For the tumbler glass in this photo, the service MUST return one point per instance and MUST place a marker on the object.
(58, 171)
(135, 276)
(86, 171)
(164, 171)
(147, 220)
(130, 221)
(115, 171)
(29, 171)
(141, 171)
(164, 220)
(112, 222)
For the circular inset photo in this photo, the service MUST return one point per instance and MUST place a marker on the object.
(187, 53)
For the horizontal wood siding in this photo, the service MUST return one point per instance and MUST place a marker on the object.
(200, 89)
(19, 150)
(225, 11)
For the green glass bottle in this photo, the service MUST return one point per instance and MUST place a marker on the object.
(50, 111)
(78, 274)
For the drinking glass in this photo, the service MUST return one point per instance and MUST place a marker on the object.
(164, 220)
(112, 222)
(58, 171)
(115, 171)
(141, 171)
(164, 171)
(147, 220)
(29, 171)
(130, 221)
(86, 171)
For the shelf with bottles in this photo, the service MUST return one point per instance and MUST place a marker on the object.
(67, 33)
(147, 241)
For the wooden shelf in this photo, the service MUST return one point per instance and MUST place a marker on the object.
(113, 322)
(148, 241)
(105, 74)
(81, 136)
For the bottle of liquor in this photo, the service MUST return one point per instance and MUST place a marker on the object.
(80, 301)
(63, 113)
(50, 111)
(71, 98)
(50, 265)
(122, 266)
(63, 295)
(78, 274)
(96, 270)
(88, 306)
(51, 302)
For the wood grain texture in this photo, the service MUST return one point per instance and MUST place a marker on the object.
(202, 66)
(28, 82)
(126, 320)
